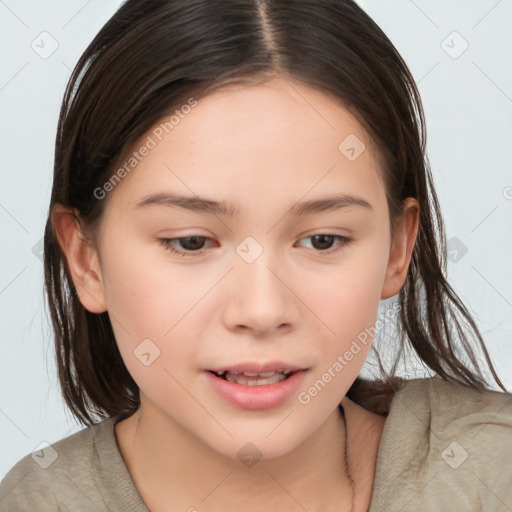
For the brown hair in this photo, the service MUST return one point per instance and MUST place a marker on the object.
(154, 55)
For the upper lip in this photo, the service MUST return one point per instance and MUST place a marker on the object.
(254, 367)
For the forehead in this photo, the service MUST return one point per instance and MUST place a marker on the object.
(273, 138)
(274, 112)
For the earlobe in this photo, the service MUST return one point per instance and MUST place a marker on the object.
(81, 257)
(401, 251)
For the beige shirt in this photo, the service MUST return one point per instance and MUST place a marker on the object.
(443, 447)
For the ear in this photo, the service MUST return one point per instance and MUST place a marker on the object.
(81, 257)
(401, 249)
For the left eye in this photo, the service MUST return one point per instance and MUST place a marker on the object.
(193, 245)
(326, 241)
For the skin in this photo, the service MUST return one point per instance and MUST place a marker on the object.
(263, 148)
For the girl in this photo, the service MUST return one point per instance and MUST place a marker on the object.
(238, 185)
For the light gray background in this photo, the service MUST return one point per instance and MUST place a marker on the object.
(467, 98)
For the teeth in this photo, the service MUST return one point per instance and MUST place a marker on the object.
(256, 379)
(267, 374)
(249, 374)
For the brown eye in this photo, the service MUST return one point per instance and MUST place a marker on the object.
(324, 242)
(190, 245)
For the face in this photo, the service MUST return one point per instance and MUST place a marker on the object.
(192, 289)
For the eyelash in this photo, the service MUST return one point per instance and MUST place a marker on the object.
(166, 243)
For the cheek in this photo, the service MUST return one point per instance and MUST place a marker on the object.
(346, 300)
(350, 293)
(146, 290)
(348, 305)
(153, 310)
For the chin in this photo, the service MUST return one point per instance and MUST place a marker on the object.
(257, 446)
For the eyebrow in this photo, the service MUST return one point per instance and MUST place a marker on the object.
(203, 205)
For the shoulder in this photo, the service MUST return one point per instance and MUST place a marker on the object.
(453, 408)
(451, 444)
(66, 468)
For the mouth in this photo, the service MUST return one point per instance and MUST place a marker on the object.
(256, 386)
(254, 378)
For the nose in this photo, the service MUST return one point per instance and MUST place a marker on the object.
(259, 298)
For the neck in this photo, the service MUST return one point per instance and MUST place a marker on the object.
(170, 465)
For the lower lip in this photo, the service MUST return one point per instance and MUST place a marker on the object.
(255, 398)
